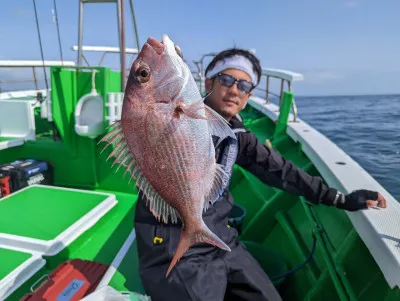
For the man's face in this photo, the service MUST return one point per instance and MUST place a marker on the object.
(227, 101)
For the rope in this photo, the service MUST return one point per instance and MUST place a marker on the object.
(58, 31)
(55, 131)
(135, 29)
(135, 25)
(301, 265)
(93, 81)
(40, 43)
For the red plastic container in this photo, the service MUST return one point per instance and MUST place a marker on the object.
(70, 281)
(5, 188)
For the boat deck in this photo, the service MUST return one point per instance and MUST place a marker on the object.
(43, 226)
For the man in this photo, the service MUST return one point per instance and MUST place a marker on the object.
(206, 272)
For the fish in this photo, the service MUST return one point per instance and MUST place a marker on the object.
(164, 140)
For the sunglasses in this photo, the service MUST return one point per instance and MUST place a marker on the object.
(228, 81)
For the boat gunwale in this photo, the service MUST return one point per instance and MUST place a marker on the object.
(374, 227)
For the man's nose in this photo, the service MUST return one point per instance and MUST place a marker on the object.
(234, 89)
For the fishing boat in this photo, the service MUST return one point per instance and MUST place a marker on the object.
(66, 215)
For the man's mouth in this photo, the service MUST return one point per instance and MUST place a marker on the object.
(231, 101)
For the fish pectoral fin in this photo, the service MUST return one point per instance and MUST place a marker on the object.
(191, 111)
(215, 190)
(218, 125)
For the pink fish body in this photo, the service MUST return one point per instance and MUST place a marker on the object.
(164, 139)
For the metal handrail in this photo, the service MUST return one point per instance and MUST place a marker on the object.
(200, 67)
(120, 5)
(284, 76)
(34, 63)
(282, 90)
(105, 49)
(31, 64)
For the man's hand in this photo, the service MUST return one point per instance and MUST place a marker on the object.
(360, 199)
(380, 202)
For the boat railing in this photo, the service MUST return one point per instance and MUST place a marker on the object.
(284, 76)
(33, 64)
(199, 74)
(105, 49)
(120, 7)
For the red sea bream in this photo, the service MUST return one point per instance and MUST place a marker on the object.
(164, 140)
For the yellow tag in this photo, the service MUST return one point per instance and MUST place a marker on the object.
(228, 226)
(157, 240)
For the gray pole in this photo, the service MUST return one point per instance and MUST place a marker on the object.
(80, 33)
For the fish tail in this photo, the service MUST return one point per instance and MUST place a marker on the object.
(188, 239)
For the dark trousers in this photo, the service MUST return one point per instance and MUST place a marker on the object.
(204, 273)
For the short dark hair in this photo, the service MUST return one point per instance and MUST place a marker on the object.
(236, 51)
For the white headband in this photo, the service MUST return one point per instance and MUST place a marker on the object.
(236, 62)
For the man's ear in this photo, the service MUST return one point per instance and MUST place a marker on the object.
(208, 84)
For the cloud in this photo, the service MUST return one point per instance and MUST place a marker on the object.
(21, 12)
(351, 4)
(318, 76)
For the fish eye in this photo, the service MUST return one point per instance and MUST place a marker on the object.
(143, 74)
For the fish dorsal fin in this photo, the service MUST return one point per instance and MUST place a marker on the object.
(123, 157)
(217, 124)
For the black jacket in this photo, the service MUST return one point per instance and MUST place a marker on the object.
(274, 170)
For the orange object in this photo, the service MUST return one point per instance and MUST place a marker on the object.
(70, 281)
(5, 186)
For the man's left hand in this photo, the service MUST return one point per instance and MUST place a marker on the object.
(380, 202)
(361, 199)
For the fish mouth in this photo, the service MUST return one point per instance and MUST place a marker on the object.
(156, 45)
(160, 47)
(166, 101)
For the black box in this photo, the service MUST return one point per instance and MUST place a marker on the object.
(27, 172)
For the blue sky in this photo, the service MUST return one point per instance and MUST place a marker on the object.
(341, 47)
